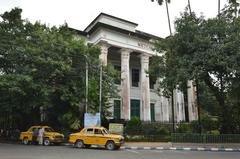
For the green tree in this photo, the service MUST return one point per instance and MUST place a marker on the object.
(206, 50)
(234, 7)
(43, 69)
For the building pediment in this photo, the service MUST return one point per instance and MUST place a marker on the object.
(120, 33)
(110, 20)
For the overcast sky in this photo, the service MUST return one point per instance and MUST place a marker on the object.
(150, 17)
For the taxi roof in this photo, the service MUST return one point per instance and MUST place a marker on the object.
(39, 126)
(94, 127)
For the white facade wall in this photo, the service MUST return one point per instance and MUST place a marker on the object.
(129, 44)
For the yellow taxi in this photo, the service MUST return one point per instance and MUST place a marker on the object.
(96, 136)
(50, 136)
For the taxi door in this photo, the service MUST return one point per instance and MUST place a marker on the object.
(89, 137)
(100, 139)
(30, 133)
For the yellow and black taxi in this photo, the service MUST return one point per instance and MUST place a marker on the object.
(96, 136)
(50, 136)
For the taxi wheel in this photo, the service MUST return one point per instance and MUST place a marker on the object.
(25, 141)
(79, 144)
(46, 142)
(110, 145)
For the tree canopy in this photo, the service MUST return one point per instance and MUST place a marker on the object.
(42, 68)
(206, 50)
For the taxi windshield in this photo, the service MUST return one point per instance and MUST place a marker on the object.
(105, 131)
(49, 129)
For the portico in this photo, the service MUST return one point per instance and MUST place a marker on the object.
(142, 86)
(129, 51)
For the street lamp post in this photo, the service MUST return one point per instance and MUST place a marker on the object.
(86, 78)
(100, 93)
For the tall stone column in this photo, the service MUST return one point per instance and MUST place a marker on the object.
(125, 83)
(192, 101)
(145, 89)
(179, 110)
(104, 52)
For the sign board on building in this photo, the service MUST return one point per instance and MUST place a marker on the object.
(116, 128)
(91, 119)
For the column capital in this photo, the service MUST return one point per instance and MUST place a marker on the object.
(125, 53)
(145, 58)
(145, 55)
(104, 47)
(126, 50)
(104, 52)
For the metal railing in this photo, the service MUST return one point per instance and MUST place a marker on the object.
(205, 138)
(148, 138)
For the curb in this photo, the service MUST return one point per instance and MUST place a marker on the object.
(174, 148)
(183, 149)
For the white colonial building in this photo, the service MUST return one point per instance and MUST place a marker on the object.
(129, 51)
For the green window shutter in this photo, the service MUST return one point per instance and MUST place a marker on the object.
(117, 109)
(152, 111)
(135, 77)
(135, 108)
(117, 80)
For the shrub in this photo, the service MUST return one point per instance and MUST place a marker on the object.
(184, 128)
(134, 126)
(215, 132)
(194, 126)
(162, 131)
(207, 124)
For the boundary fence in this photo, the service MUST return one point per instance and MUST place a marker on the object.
(205, 138)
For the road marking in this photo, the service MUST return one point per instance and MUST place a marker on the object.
(133, 151)
(200, 149)
(187, 148)
(228, 149)
(159, 148)
(173, 148)
(214, 149)
(134, 148)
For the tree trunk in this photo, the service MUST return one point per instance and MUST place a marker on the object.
(219, 3)
(189, 7)
(224, 115)
(173, 114)
(198, 107)
(220, 97)
(169, 22)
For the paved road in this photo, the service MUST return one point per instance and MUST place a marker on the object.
(13, 151)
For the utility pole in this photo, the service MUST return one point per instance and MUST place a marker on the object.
(173, 114)
(100, 92)
(86, 78)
